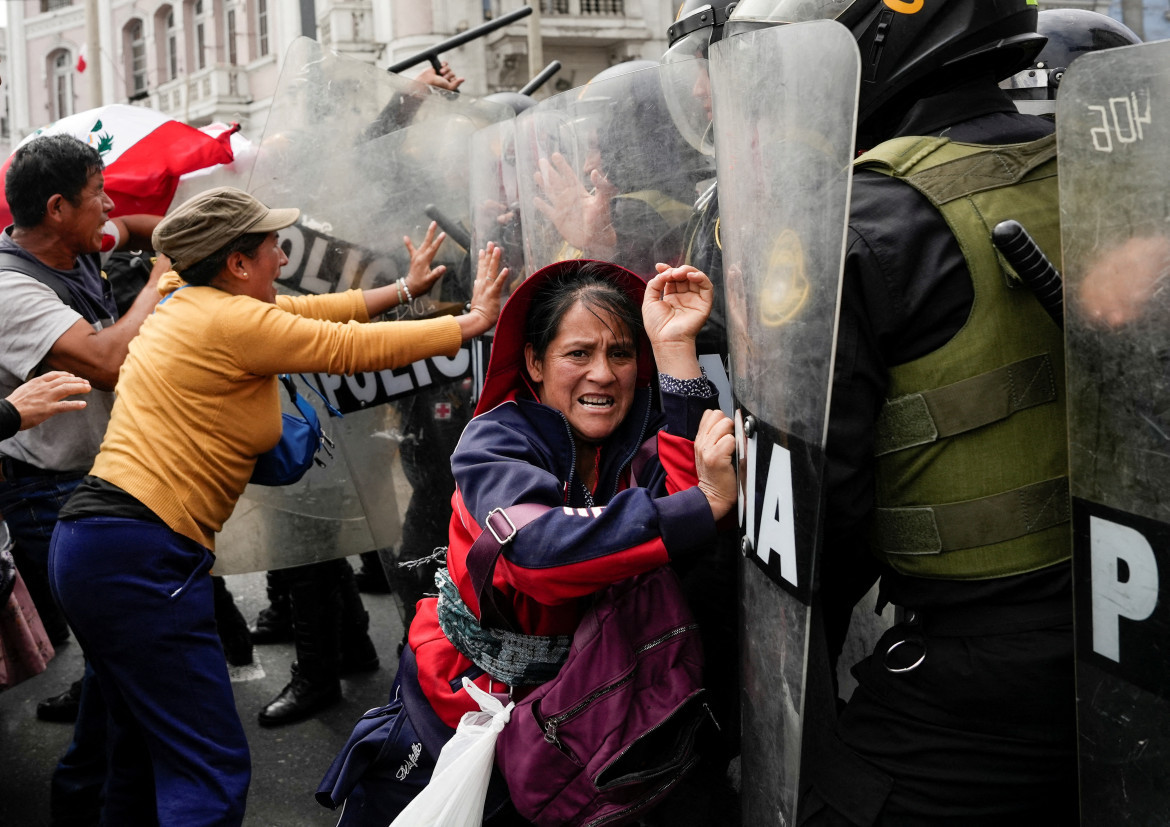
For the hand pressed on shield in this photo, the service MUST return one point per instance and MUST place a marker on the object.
(422, 276)
(485, 294)
(715, 462)
(581, 216)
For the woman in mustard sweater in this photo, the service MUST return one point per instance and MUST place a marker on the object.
(198, 400)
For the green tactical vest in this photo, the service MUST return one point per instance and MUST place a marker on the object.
(971, 444)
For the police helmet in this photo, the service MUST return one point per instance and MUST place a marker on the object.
(516, 101)
(699, 24)
(625, 106)
(1070, 33)
(912, 48)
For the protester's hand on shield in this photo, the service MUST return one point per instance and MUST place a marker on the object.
(38, 399)
(485, 294)
(422, 277)
(1119, 285)
(443, 79)
(581, 216)
(675, 307)
(715, 462)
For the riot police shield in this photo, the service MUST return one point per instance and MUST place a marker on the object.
(783, 154)
(605, 173)
(369, 158)
(495, 198)
(1114, 178)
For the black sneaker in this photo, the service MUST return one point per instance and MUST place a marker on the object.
(61, 709)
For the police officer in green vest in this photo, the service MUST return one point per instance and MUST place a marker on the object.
(946, 450)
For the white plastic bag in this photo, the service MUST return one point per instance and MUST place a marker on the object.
(458, 787)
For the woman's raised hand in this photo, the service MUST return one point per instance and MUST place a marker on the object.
(677, 303)
(422, 276)
(715, 462)
(485, 293)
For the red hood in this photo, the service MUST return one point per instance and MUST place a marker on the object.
(506, 373)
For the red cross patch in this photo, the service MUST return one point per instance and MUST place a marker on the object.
(442, 410)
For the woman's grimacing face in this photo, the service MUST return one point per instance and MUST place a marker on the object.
(588, 372)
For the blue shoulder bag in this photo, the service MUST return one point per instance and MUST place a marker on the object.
(300, 440)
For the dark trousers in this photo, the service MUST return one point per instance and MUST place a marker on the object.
(30, 505)
(140, 599)
(983, 731)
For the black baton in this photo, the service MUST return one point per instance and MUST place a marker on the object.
(1033, 267)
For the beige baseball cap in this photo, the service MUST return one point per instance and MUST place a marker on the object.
(210, 220)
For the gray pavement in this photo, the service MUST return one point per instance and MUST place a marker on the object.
(287, 762)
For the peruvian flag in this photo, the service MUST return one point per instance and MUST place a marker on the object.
(81, 60)
(145, 153)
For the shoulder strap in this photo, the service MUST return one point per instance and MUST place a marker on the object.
(499, 529)
(16, 264)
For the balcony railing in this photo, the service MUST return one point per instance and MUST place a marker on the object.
(610, 8)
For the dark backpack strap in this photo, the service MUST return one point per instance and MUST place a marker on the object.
(15, 264)
(499, 529)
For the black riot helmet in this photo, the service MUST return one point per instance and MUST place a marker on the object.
(1070, 33)
(912, 48)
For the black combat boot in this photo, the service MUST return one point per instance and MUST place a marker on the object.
(316, 608)
(274, 623)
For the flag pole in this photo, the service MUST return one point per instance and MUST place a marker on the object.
(93, 47)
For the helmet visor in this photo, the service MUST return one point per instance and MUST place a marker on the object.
(686, 85)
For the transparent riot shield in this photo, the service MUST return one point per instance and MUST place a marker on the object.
(369, 158)
(1114, 179)
(605, 173)
(783, 150)
(495, 198)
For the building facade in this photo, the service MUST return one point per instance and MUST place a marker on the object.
(207, 61)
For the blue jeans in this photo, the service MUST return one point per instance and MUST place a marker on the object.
(30, 506)
(139, 597)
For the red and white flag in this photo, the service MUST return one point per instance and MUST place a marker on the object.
(81, 60)
(145, 153)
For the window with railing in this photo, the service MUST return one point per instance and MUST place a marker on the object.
(602, 7)
(591, 7)
(49, 5)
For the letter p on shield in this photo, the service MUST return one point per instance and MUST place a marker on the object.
(1124, 582)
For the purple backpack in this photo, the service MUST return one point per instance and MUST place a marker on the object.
(614, 731)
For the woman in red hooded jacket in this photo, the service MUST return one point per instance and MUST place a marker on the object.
(568, 404)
